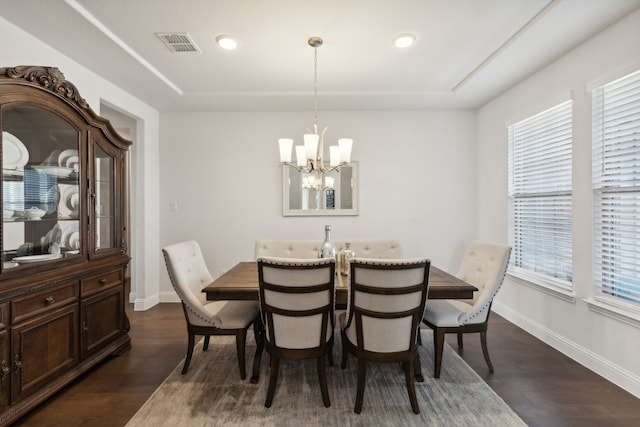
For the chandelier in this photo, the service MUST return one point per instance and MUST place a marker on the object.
(309, 157)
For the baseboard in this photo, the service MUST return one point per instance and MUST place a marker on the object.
(169, 297)
(603, 367)
(146, 304)
(143, 304)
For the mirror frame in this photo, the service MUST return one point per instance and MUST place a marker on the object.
(287, 211)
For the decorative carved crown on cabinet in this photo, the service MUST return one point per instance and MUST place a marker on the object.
(62, 241)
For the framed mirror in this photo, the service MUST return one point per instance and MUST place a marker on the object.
(314, 194)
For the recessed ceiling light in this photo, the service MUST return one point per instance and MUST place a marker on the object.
(404, 40)
(226, 42)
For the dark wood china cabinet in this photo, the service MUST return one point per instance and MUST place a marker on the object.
(62, 238)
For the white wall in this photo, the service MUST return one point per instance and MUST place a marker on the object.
(420, 183)
(417, 172)
(23, 49)
(608, 346)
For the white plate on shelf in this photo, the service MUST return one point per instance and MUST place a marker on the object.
(64, 156)
(14, 154)
(52, 159)
(70, 198)
(56, 234)
(74, 241)
(70, 233)
(35, 258)
(59, 171)
(72, 162)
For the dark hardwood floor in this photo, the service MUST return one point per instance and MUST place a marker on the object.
(543, 386)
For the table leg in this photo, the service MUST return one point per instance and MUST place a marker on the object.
(258, 331)
(417, 369)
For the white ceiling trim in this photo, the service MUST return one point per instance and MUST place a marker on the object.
(118, 41)
(507, 43)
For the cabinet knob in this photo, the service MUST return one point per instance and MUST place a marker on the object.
(17, 364)
(49, 300)
(103, 282)
(4, 370)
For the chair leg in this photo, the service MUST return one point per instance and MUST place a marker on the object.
(438, 348)
(417, 369)
(343, 365)
(411, 387)
(460, 343)
(322, 377)
(190, 344)
(485, 349)
(205, 346)
(258, 334)
(362, 373)
(241, 341)
(273, 379)
(330, 355)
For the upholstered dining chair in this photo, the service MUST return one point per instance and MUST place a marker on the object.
(189, 275)
(483, 266)
(386, 304)
(297, 306)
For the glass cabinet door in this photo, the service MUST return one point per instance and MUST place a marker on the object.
(40, 186)
(104, 203)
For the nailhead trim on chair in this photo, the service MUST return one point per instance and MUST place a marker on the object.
(379, 261)
(206, 320)
(485, 308)
(296, 261)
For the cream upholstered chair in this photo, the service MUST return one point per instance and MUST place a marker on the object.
(189, 275)
(483, 266)
(297, 304)
(387, 300)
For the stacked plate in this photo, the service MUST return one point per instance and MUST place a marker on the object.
(71, 237)
(52, 239)
(70, 198)
(60, 163)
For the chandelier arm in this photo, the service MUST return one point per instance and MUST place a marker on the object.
(333, 168)
(298, 168)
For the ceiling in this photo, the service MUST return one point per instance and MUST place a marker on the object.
(466, 51)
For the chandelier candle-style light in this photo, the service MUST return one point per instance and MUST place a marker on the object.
(309, 157)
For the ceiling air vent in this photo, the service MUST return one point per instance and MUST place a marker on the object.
(178, 42)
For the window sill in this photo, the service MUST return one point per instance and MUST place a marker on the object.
(547, 286)
(611, 307)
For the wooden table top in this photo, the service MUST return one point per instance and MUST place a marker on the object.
(241, 283)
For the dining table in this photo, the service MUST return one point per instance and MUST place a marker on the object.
(241, 283)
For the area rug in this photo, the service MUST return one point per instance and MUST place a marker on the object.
(212, 394)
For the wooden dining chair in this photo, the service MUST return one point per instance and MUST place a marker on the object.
(483, 266)
(297, 305)
(386, 304)
(189, 275)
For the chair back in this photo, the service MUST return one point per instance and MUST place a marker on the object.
(483, 266)
(308, 249)
(386, 303)
(189, 275)
(297, 301)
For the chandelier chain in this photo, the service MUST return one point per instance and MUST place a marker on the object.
(315, 88)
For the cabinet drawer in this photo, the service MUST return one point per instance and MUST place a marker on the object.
(4, 315)
(100, 282)
(43, 301)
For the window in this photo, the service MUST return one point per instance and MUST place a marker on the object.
(540, 157)
(616, 188)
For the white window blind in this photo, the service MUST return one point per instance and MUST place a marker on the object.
(540, 158)
(616, 187)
